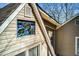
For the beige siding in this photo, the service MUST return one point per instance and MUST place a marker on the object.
(65, 38)
(10, 43)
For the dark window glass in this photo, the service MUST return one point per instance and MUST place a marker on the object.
(78, 46)
(77, 22)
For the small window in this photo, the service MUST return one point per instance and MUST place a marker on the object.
(34, 51)
(77, 46)
(27, 11)
(25, 27)
(77, 22)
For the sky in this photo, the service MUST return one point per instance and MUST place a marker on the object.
(75, 7)
(3, 5)
(51, 5)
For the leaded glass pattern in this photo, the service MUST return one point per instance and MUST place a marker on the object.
(25, 27)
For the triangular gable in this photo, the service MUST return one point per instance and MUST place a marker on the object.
(10, 18)
(13, 15)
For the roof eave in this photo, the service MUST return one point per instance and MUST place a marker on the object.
(10, 18)
(67, 21)
(47, 18)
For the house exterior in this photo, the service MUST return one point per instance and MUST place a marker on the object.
(26, 30)
(67, 36)
(22, 35)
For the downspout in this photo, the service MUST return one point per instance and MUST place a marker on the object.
(42, 26)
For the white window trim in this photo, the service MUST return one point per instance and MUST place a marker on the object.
(76, 38)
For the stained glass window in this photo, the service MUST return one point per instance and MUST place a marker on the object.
(25, 27)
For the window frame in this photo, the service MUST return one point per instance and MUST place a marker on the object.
(29, 15)
(76, 23)
(26, 21)
(76, 39)
(38, 46)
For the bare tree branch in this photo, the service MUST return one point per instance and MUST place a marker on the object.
(57, 10)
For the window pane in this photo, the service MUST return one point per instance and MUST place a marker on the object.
(34, 51)
(77, 46)
(77, 22)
